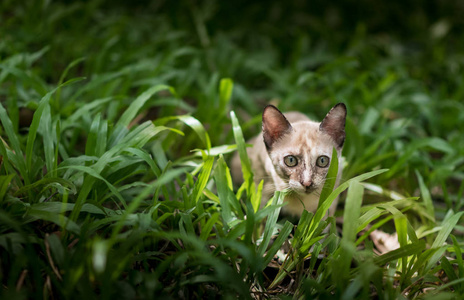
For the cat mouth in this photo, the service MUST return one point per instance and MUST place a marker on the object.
(301, 189)
(306, 191)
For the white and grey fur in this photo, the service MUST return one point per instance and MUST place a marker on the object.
(294, 134)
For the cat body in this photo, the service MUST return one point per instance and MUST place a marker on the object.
(294, 153)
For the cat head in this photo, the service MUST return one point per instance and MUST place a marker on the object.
(301, 151)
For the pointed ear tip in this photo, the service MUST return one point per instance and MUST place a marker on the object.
(270, 109)
(269, 106)
(341, 105)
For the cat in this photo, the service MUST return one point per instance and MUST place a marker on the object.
(292, 152)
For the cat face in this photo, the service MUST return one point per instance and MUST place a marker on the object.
(301, 152)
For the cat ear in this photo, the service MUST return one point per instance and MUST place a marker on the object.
(275, 125)
(334, 124)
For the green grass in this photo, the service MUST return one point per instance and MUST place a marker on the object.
(118, 124)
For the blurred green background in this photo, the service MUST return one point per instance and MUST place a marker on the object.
(240, 39)
(398, 65)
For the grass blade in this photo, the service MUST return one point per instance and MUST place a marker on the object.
(198, 128)
(18, 153)
(277, 244)
(135, 106)
(321, 211)
(91, 145)
(206, 229)
(446, 227)
(347, 245)
(226, 86)
(407, 250)
(48, 136)
(59, 220)
(271, 222)
(241, 146)
(331, 178)
(226, 196)
(44, 102)
(427, 199)
(4, 183)
(202, 180)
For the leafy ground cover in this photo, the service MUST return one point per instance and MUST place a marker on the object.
(118, 122)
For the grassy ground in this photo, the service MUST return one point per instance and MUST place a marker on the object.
(118, 122)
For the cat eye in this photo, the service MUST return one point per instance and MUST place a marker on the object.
(290, 160)
(322, 161)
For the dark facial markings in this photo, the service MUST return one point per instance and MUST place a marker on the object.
(295, 167)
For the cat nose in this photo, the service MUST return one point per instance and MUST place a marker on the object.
(306, 183)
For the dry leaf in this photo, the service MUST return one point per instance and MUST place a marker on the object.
(384, 242)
